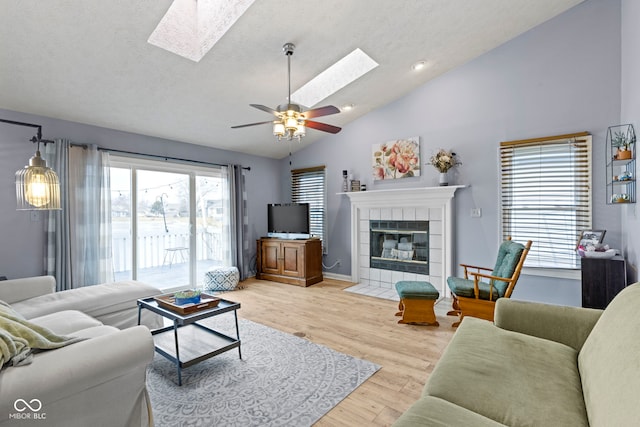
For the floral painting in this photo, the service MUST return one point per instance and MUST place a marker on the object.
(397, 159)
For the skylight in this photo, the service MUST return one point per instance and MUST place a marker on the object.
(345, 71)
(190, 28)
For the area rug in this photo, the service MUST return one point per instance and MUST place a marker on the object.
(282, 380)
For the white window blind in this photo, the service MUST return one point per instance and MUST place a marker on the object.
(309, 186)
(546, 196)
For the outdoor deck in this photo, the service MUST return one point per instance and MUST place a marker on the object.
(169, 276)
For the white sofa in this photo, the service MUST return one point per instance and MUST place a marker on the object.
(96, 382)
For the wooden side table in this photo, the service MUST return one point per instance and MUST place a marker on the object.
(602, 279)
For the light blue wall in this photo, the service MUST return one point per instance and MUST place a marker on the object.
(561, 77)
(22, 240)
(631, 114)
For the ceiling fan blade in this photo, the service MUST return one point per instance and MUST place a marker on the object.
(251, 124)
(266, 109)
(321, 111)
(322, 126)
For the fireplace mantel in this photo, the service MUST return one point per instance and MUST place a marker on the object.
(401, 194)
(430, 203)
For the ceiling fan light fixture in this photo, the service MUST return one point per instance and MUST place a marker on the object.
(291, 119)
(278, 129)
(300, 131)
(291, 123)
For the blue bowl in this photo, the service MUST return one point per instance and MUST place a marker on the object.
(191, 300)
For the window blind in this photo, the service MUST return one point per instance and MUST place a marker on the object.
(309, 186)
(546, 196)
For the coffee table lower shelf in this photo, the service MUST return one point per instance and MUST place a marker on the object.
(197, 343)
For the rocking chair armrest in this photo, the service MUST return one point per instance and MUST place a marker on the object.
(489, 276)
(476, 279)
(475, 266)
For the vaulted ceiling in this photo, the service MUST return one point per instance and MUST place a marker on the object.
(89, 61)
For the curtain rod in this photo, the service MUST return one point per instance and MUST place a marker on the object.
(155, 156)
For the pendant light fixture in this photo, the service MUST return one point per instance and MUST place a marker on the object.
(37, 186)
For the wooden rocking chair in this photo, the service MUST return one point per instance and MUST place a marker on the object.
(477, 298)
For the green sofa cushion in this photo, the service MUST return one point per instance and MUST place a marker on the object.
(512, 378)
(609, 363)
(433, 412)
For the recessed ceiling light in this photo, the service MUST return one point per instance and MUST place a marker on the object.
(191, 28)
(347, 107)
(348, 69)
(419, 65)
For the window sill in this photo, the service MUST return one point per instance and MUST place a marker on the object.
(558, 273)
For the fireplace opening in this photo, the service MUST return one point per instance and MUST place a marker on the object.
(399, 246)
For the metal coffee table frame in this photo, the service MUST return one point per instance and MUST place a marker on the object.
(199, 341)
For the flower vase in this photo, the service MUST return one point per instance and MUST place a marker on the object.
(444, 179)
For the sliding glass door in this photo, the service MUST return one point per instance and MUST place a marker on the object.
(163, 228)
(170, 223)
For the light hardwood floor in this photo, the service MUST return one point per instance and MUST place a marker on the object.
(361, 326)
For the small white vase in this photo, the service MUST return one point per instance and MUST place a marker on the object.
(444, 179)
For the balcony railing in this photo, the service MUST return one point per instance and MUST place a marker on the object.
(155, 250)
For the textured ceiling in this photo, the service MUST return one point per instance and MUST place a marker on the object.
(88, 61)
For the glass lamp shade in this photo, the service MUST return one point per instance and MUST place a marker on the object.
(37, 186)
(291, 123)
(300, 131)
(278, 129)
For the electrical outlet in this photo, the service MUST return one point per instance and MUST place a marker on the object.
(476, 213)
(338, 262)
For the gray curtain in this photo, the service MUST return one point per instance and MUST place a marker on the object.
(79, 237)
(58, 249)
(239, 221)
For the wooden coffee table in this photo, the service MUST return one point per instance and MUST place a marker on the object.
(197, 342)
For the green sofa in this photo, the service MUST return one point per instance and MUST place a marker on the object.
(539, 365)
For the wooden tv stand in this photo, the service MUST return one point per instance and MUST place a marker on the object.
(296, 262)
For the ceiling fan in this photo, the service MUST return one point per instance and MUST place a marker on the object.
(291, 119)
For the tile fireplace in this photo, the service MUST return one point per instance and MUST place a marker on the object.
(402, 234)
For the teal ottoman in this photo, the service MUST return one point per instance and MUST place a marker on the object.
(416, 302)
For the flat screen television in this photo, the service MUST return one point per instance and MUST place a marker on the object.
(288, 221)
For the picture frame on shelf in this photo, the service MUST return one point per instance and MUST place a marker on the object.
(593, 237)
